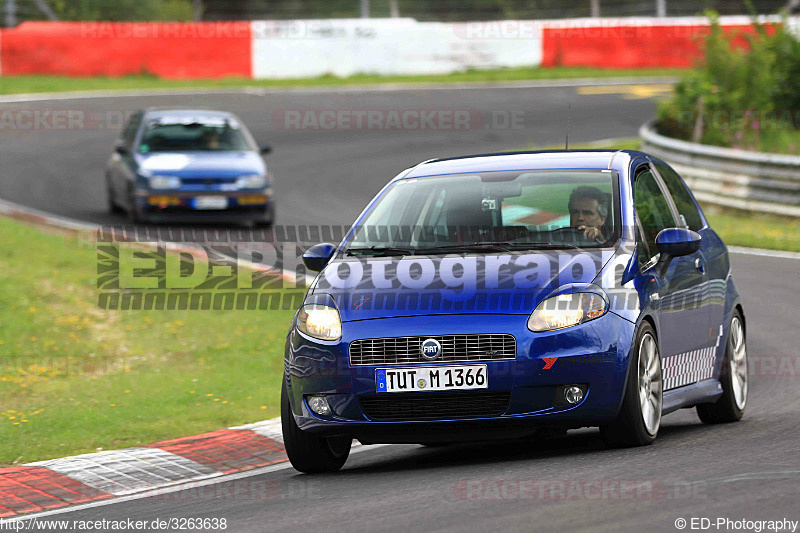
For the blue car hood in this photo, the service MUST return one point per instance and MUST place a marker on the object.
(384, 287)
(202, 164)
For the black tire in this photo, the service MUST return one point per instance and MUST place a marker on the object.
(629, 428)
(307, 453)
(113, 207)
(133, 214)
(269, 219)
(726, 408)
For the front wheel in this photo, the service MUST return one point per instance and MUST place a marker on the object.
(730, 406)
(640, 416)
(307, 453)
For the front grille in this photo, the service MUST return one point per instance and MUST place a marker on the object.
(435, 406)
(455, 348)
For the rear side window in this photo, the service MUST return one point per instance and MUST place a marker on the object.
(129, 133)
(681, 196)
(652, 209)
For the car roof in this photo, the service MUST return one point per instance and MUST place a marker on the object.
(526, 160)
(155, 112)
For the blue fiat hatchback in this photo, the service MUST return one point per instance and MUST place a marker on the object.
(494, 296)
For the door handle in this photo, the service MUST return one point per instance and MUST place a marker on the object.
(700, 265)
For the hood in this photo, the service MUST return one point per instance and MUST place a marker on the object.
(512, 283)
(202, 164)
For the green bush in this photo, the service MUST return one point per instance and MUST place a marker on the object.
(122, 10)
(745, 92)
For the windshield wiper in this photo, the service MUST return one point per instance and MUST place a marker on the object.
(474, 247)
(380, 250)
(527, 245)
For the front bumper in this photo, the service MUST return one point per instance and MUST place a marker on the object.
(595, 354)
(240, 206)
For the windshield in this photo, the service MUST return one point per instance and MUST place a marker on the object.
(494, 211)
(192, 134)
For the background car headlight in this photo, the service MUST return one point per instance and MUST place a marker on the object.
(320, 322)
(165, 182)
(251, 181)
(566, 310)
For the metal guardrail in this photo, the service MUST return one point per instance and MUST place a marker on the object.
(755, 181)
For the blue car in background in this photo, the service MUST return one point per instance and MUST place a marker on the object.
(189, 165)
(499, 295)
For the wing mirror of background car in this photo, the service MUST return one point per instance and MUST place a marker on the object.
(121, 148)
(675, 242)
(265, 149)
(318, 256)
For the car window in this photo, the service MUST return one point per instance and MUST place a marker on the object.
(652, 209)
(129, 133)
(681, 196)
(551, 207)
(167, 134)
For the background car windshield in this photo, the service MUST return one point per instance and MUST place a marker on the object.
(546, 207)
(166, 136)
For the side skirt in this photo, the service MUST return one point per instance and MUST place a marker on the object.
(706, 391)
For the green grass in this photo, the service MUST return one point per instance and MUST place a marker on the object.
(35, 84)
(75, 378)
(773, 232)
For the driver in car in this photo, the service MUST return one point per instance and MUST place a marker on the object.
(588, 209)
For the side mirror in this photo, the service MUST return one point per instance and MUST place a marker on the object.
(121, 148)
(266, 149)
(675, 242)
(318, 256)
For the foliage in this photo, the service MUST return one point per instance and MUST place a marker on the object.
(119, 10)
(745, 93)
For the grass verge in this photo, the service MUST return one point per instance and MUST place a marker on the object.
(36, 84)
(75, 378)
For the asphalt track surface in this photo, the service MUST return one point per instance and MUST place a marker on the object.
(747, 470)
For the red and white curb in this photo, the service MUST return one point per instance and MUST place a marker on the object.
(47, 485)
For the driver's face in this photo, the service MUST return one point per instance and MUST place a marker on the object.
(583, 212)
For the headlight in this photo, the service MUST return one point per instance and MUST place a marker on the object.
(251, 181)
(165, 182)
(566, 310)
(320, 322)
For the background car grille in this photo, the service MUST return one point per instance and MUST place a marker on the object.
(455, 348)
(435, 406)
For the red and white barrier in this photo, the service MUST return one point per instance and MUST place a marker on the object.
(343, 47)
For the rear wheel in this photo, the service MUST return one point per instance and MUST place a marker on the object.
(133, 213)
(640, 416)
(306, 452)
(730, 406)
(113, 207)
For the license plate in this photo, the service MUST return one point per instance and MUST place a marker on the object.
(431, 378)
(210, 202)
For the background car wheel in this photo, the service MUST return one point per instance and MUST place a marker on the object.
(113, 207)
(306, 452)
(730, 406)
(640, 416)
(269, 218)
(133, 214)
